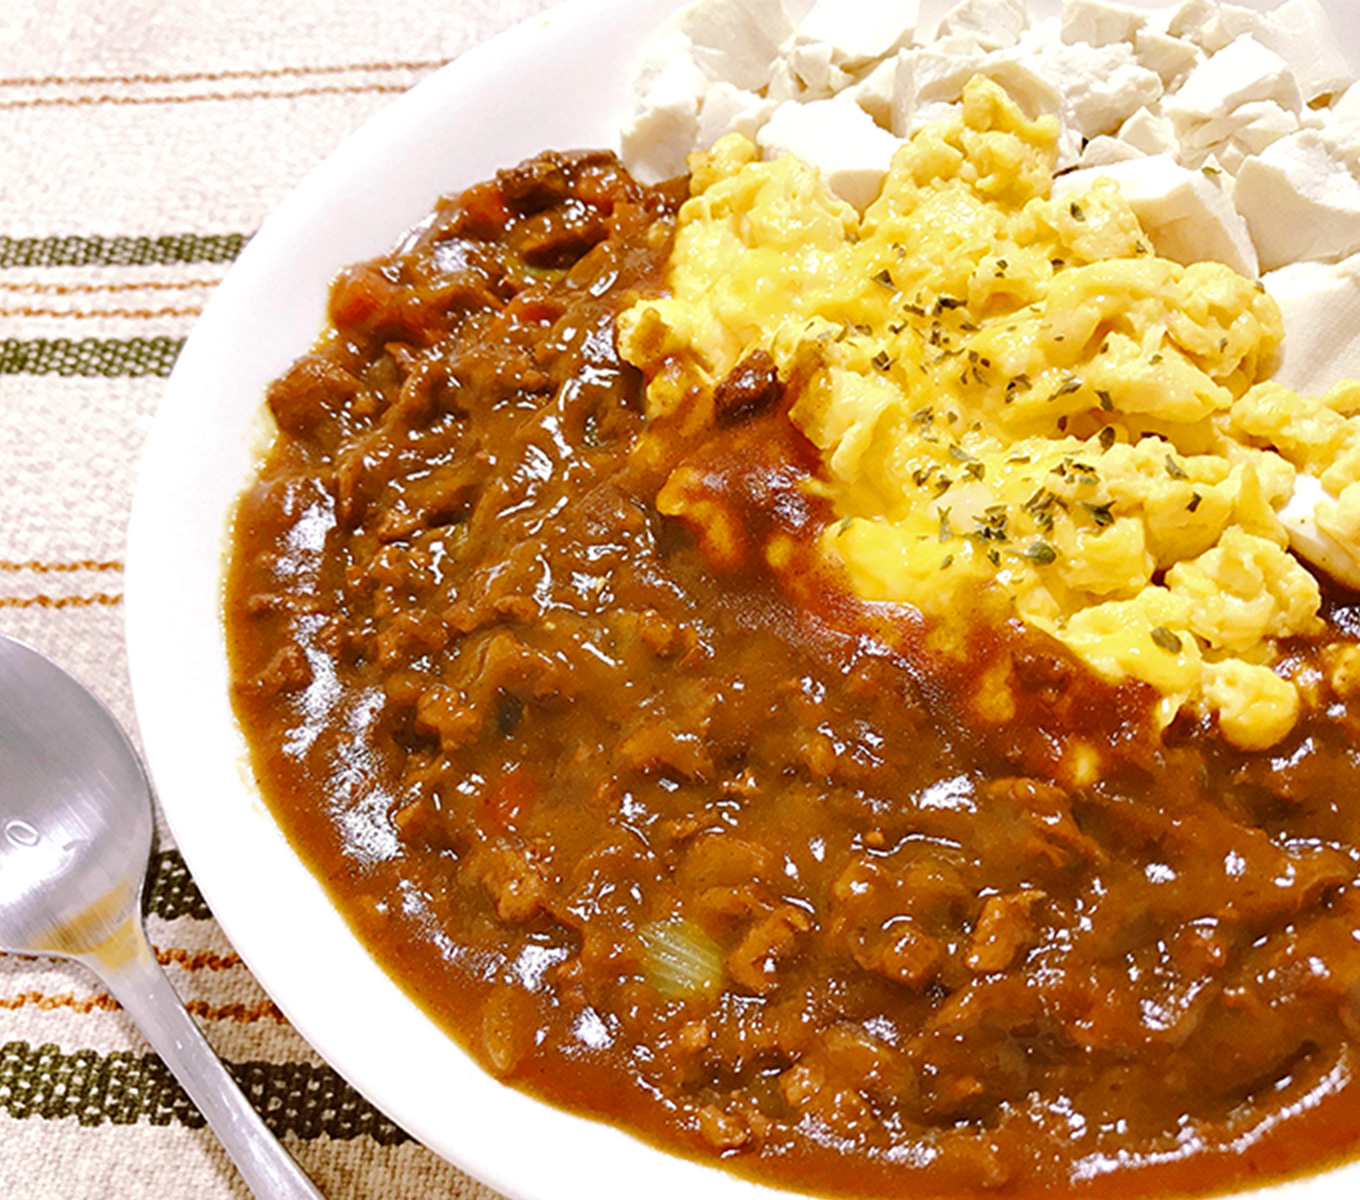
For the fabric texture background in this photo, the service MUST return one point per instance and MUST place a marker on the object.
(141, 143)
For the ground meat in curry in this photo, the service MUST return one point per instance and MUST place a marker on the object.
(664, 826)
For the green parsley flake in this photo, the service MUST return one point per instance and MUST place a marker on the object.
(1100, 513)
(1164, 639)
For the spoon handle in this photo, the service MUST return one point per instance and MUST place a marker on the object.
(133, 975)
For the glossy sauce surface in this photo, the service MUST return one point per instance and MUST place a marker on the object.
(664, 826)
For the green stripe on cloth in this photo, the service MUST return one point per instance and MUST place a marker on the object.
(123, 1088)
(120, 251)
(89, 356)
(171, 891)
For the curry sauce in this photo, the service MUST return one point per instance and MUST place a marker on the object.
(663, 824)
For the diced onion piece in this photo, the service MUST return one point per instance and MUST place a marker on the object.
(682, 960)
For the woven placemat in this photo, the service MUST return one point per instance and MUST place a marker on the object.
(141, 143)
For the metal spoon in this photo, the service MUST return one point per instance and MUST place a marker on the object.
(75, 836)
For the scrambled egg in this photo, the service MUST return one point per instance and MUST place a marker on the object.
(1017, 401)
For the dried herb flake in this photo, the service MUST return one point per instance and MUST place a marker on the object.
(1164, 639)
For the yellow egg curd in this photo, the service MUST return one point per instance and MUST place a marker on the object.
(1013, 396)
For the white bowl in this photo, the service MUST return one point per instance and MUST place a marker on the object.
(559, 81)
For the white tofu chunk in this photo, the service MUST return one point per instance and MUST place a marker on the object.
(811, 62)
(1300, 202)
(1341, 136)
(933, 113)
(1243, 71)
(1262, 123)
(735, 43)
(840, 138)
(1102, 86)
(1253, 126)
(874, 93)
(669, 87)
(1222, 174)
(1105, 151)
(925, 76)
(960, 45)
(1148, 133)
(1099, 23)
(726, 109)
(1347, 105)
(1199, 23)
(990, 24)
(931, 74)
(1026, 82)
(1300, 33)
(837, 80)
(1171, 58)
(857, 32)
(1187, 216)
(1227, 158)
(784, 84)
(1320, 303)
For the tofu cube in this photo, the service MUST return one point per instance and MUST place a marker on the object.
(726, 109)
(1187, 216)
(1347, 105)
(1199, 23)
(838, 137)
(1300, 202)
(1241, 72)
(670, 86)
(1300, 33)
(1102, 86)
(1341, 136)
(1171, 58)
(1099, 23)
(1320, 303)
(874, 93)
(1105, 151)
(857, 32)
(989, 24)
(1149, 132)
(1261, 124)
(735, 43)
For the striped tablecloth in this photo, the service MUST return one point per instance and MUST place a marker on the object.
(141, 142)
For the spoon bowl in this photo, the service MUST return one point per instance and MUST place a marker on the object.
(75, 835)
(75, 822)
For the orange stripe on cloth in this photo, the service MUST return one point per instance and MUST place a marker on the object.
(190, 310)
(43, 568)
(85, 289)
(202, 960)
(60, 601)
(198, 960)
(102, 1002)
